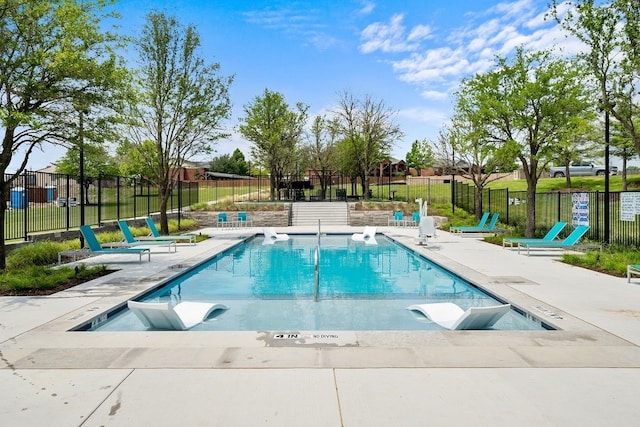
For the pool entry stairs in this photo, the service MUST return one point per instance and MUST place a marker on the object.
(331, 213)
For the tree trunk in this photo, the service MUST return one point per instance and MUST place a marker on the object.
(530, 227)
(624, 173)
(272, 181)
(478, 203)
(163, 197)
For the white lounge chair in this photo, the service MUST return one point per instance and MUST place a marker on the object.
(270, 236)
(451, 316)
(426, 229)
(182, 316)
(368, 236)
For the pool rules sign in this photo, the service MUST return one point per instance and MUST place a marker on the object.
(629, 205)
(580, 210)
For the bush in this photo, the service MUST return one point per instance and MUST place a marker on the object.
(37, 253)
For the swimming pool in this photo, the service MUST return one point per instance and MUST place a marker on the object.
(359, 287)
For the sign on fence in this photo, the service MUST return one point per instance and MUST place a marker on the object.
(629, 205)
(580, 209)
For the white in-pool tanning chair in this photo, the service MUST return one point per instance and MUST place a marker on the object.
(182, 316)
(450, 316)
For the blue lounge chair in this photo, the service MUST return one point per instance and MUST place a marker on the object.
(491, 227)
(550, 236)
(131, 240)
(632, 270)
(570, 242)
(155, 234)
(96, 248)
(481, 223)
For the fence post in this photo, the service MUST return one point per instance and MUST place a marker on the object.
(179, 200)
(149, 199)
(598, 214)
(559, 203)
(507, 206)
(99, 199)
(135, 199)
(66, 205)
(117, 197)
(25, 203)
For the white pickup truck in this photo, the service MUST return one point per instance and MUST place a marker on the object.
(581, 169)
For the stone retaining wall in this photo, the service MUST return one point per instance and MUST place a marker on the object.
(260, 218)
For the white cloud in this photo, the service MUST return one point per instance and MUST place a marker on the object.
(468, 49)
(420, 32)
(302, 24)
(423, 115)
(386, 37)
(434, 95)
(367, 8)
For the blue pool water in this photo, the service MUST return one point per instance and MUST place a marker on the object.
(360, 287)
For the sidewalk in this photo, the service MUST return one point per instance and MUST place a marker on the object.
(585, 374)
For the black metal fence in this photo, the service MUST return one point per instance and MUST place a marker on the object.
(41, 202)
(556, 206)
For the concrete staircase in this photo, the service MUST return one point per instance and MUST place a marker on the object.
(329, 213)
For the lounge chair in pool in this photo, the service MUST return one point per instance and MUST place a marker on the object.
(451, 316)
(426, 229)
(182, 316)
(481, 224)
(368, 236)
(549, 237)
(270, 236)
(96, 248)
(130, 240)
(632, 270)
(570, 242)
(155, 234)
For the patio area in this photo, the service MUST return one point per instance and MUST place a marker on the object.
(584, 373)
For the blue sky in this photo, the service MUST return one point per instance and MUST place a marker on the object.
(411, 54)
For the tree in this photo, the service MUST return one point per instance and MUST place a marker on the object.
(524, 106)
(611, 32)
(275, 131)
(466, 149)
(623, 147)
(322, 149)
(97, 163)
(369, 130)
(576, 144)
(421, 155)
(55, 63)
(136, 161)
(233, 164)
(181, 102)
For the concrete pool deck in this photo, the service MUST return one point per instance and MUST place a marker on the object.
(585, 374)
